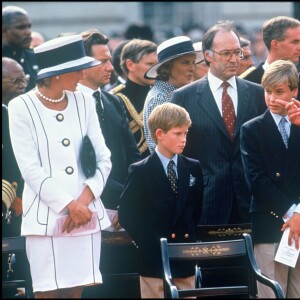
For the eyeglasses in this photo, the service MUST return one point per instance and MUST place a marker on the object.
(18, 81)
(226, 55)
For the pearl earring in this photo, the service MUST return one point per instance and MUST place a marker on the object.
(57, 77)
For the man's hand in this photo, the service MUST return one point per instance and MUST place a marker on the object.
(115, 222)
(17, 206)
(294, 224)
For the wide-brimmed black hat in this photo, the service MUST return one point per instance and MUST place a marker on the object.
(62, 55)
(170, 49)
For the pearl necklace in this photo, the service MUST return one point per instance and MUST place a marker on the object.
(49, 99)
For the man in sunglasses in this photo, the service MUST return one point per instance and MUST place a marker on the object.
(219, 104)
(16, 39)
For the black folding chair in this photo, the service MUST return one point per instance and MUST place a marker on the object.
(215, 255)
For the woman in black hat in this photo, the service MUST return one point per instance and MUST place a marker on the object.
(62, 211)
(175, 68)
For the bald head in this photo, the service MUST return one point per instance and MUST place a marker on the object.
(13, 79)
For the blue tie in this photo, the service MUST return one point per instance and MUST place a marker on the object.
(282, 131)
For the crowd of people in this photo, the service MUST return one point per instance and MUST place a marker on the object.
(185, 132)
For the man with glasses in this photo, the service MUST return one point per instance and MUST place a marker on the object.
(219, 104)
(16, 39)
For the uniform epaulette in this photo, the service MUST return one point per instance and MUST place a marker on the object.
(247, 72)
(117, 89)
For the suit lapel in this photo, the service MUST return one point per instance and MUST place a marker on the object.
(293, 151)
(242, 105)
(183, 188)
(274, 140)
(161, 180)
(206, 100)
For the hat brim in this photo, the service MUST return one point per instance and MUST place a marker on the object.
(68, 67)
(152, 72)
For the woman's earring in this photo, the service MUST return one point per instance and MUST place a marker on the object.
(57, 77)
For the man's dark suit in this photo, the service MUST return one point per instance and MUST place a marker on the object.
(121, 143)
(272, 173)
(256, 75)
(209, 142)
(149, 210)
(10, 173)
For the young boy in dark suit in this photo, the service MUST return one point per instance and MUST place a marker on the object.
(270, 152)
(156, 202)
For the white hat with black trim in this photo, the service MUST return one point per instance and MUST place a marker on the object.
(170, 49)
(62, 55)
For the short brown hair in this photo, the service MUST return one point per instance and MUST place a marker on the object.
(166, 116)
(280, 71)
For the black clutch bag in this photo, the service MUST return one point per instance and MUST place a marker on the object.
(88, 157)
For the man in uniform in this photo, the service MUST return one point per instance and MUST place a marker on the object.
(16, 39)
(136, 58)
(14, 83)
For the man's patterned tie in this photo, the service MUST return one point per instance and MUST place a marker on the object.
(172, 176)
(228, 111)
(99, 108)
(283, 131)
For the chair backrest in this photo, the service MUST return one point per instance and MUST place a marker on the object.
(210, 233)
(215, 256)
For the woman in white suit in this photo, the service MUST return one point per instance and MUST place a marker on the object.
(62, 211)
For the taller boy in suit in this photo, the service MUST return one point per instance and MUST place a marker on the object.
(270, 152)
(153, 206)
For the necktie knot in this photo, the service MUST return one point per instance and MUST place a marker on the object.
(225, 85)
(172, 176)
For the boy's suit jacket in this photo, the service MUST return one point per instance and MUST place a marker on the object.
(149, 209)
(272, 173)
(209, 142)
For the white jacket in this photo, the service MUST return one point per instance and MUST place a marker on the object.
(47, 144)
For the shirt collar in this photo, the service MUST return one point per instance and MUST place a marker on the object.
(86, 89)
(165, 160)
(215, 82)
(278, 117)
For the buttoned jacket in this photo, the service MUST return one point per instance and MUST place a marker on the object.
(150, 210)
(47, 147)
(272, 173)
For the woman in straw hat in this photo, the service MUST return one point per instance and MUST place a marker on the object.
(62, 211)
(175, 68)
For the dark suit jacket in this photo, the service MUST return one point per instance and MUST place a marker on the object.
(27, 59)
(272, 173)
(120, 141)
(256, 75)
(149, 210)
(11, 173)
(209, 142)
